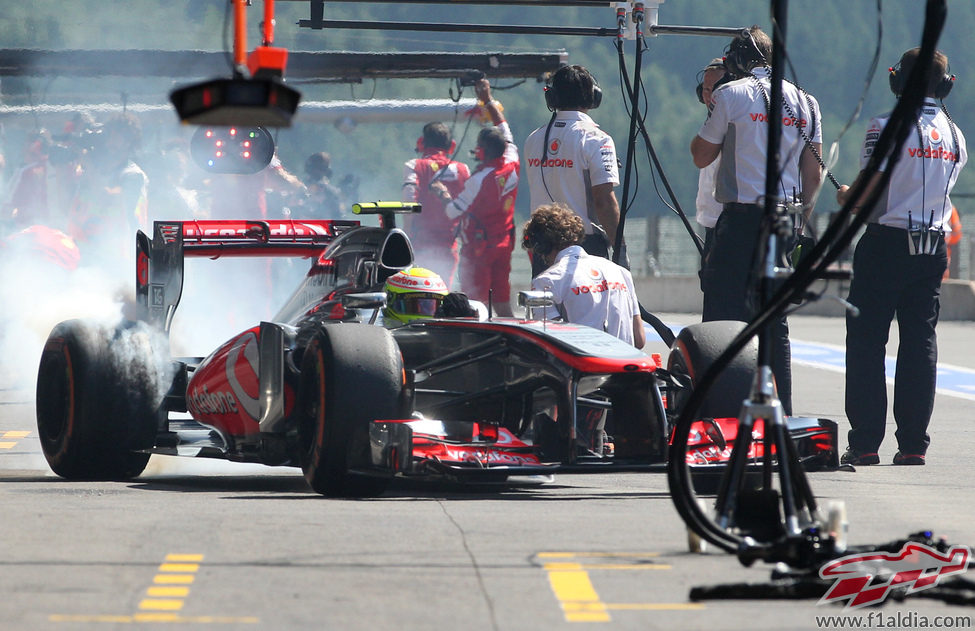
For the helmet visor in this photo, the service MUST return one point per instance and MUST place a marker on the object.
(415, 304)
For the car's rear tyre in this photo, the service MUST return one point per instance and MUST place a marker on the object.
(98, 394)
(695, 350)
(351, 375)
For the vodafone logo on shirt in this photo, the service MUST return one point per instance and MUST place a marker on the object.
(552, 160)
(599, 287)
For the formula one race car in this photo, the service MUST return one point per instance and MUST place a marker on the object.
(324, 387)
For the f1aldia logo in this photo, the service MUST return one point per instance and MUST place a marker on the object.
(868, 578)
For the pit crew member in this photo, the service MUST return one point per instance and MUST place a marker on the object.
(737, 131)
(588, 290)
(486, 209)
(898, 265)
(431, 232)
(573, 162)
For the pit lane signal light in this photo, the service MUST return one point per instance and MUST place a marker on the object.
(235, 149)
(264, 102)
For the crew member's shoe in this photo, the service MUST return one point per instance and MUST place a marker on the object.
(908, 459)
(855, 457)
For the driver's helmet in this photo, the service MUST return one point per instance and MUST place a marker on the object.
(413, 293)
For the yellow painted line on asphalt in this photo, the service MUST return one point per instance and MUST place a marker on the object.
(574, 590)
(570, 582)
(170, 579)
(168, 591)
(175, 558)
(655, 606)
(175, 569)
(186, 568)
(165, 596)
(145, 617)
(8, 439)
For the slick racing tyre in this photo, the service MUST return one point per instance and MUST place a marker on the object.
(351, 375)
(98, 394)
(696, 348)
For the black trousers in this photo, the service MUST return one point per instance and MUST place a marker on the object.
(729, 279)
(889, 282)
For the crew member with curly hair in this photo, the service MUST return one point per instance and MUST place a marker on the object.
(587, 289)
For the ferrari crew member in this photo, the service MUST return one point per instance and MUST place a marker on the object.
(898, 265)
(432, 232)
(737, 131)
(572, 161)
(588, 290)
(486, 210)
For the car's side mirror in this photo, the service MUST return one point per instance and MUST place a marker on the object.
(532, 300)
(240, 150)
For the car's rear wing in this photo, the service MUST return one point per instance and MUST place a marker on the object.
(159, 260)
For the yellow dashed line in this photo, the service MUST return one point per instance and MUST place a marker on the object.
(654, 606)
(168, 604)
(155, 617)
(164, 597)
(173, 579)
(184, 557)
(179, 567)
(11, 437)
(168, 591)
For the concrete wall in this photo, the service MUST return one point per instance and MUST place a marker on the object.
(682, 294)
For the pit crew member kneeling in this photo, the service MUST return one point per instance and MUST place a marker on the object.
(588, 290)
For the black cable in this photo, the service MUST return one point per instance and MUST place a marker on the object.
(834, 241)
(627, 88)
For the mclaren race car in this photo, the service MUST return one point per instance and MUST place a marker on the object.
(324, 387)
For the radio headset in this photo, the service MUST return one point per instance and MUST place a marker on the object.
(741, 56)
(552, 89)
(897, 78)
(716, 64)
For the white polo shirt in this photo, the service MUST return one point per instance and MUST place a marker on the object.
(594, 291)
(580, 155)
(708, 208)
(739, 123)
(924, 174)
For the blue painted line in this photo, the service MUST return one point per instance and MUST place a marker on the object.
(952, 380)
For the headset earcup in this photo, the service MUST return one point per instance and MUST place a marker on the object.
(896, 80)
(551, 100)
(944, 86)
(419, 145)
(700, 93)
(597, 96)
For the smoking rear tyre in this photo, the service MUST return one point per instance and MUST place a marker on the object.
(351, 375)
(97, 399)
(696, 348)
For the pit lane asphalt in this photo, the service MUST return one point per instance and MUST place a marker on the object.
(243, 546)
